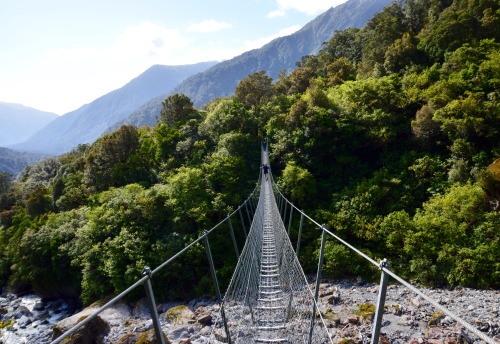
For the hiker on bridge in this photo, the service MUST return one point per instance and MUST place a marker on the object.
(265, 168)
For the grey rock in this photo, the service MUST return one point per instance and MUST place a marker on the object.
(39, 306)
(23, 321)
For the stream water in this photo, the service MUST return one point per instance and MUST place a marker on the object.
(33, 318)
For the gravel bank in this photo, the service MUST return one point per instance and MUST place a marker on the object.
(346, 305)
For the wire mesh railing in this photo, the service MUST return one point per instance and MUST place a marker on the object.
(268, 299)
(245, 212)
(287, 208)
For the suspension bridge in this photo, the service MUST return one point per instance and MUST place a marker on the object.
(269, 299)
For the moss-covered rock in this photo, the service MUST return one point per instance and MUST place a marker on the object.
(436, 318)
(91, 333)
(366, 310)
(8, 323)
(180, 315)
(149, 337)
(129, 338)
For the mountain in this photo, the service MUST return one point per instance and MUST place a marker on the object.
(18, 122)
(280, 54)
(14, 162)
(87, 123)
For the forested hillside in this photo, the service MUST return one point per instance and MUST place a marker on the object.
(389, 136)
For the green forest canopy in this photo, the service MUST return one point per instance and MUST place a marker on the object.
(389, 135)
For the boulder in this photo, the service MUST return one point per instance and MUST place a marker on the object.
(180, 315)
(149, 337)
(129, 338)
(18, 313)
(91, 333)
(23, 321)
(204, 319)
(39, 306)
(113, 315)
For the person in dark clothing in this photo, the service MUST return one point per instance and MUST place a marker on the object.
(265, 168)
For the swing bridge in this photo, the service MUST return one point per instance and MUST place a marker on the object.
(269, 299)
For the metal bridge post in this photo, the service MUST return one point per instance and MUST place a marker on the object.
(377, 321)
(216, 285)
(281, 205)
(242, 221)
(300, 233)
(290, 220)
(250, 205)
(284, 212)
(318, 281)
(248, 214)
(152, 305)
(231, 231)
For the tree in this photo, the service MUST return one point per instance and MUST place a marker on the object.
(424, 127)
(255, 90)
(5, 182)
(347, 44)
(339, 71)
(299, 183)
(106, 163)
(38, 202)
(454, 28)
(228, 116)
(454, 241)
(380, 32)
(401, 53)
(177, 108)
(187, 199)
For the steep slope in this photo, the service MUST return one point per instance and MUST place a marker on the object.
(87, 123)
(281, 53)
(18, 122)
(14, 162)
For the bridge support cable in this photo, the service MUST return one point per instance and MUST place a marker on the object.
(269, 299)
(385, 273)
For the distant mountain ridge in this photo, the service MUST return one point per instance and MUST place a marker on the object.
(14, 162)
(280, 54)
(140, 101)
(88, 123)
(19, 122)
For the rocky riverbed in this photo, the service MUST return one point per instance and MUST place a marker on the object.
(347, 307)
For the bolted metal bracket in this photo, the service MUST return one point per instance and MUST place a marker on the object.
(147, 271)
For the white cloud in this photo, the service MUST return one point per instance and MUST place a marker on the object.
(146, 40)
(309, 7)
(80, 74)
(143, 41)
(208, 26)
(257, 43)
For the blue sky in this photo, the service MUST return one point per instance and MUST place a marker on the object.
(56, 55)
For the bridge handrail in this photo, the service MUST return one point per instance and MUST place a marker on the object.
(147, 276)
(408, 285)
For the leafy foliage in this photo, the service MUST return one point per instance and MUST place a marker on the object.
(389, 136)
